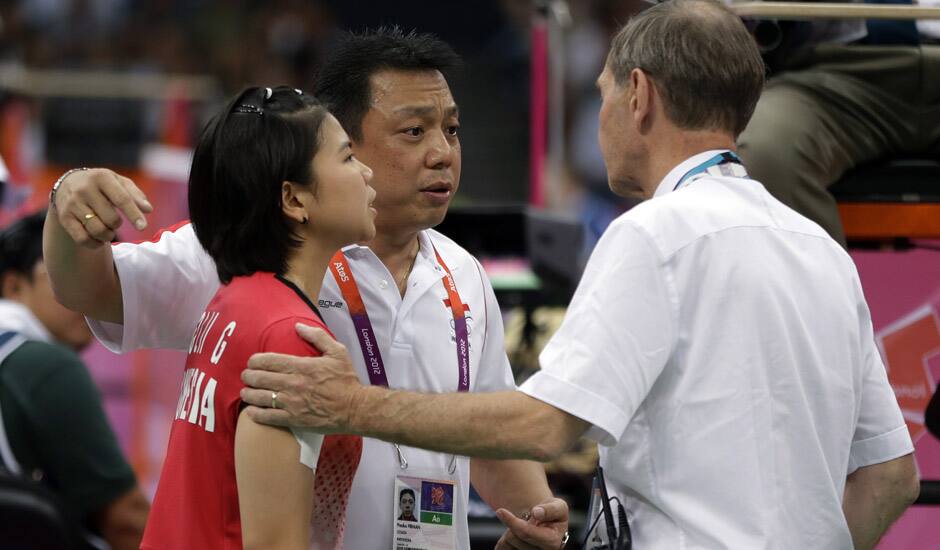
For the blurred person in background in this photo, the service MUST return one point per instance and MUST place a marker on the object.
(411, 287)
(52, 412)
(844, 93)
(596, 23)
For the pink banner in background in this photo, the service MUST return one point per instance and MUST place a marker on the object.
(903, 292)
(906, 346)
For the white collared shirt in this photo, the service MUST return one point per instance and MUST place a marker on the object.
(719, 344)
(16, 317)
(166, 285)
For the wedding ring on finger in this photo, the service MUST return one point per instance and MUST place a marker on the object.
(88, 217)
(274, 400)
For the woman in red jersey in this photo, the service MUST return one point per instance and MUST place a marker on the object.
(274, 191)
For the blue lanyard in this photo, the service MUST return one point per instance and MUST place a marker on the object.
(728, 157)
(6, 337)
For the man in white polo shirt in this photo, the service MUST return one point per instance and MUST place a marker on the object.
(719, 345)
(416, 306)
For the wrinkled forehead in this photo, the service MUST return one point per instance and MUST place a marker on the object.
(401, 93)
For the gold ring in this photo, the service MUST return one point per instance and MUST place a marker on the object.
(274, 400)
(89, 217)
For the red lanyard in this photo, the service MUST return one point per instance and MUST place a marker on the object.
(368, 343)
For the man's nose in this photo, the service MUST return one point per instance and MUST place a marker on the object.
(440, 151)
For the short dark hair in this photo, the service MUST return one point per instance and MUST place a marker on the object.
(21, 245)
(705, 63)
(260, 139)
(343, 81)
(405, 492)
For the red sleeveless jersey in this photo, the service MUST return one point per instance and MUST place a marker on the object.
(196, 504)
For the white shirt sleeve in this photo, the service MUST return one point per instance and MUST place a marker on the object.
(616, 338)
(165, 286)
(880, 432)
(495, 372)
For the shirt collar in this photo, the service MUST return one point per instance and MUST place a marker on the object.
(672, 178)
(425, 252)
(16, 317)
(427, 248)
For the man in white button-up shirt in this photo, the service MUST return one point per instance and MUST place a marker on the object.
(390, 93)
(719, 346)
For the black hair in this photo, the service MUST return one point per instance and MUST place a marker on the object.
(21, 245)
(343, 81)
(405, 492)
(260, 139)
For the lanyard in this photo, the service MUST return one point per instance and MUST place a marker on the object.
(366, 334)
(369, 344)
(722, 161)
(460, 325)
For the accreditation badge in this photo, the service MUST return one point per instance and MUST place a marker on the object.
(424, 513)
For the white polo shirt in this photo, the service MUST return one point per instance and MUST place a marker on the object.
(720, 345)
(167, 284)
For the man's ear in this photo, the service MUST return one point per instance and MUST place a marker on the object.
(642, 96)
(11, 285)
(294, 201)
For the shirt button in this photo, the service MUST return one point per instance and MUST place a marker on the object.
(384, 284)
